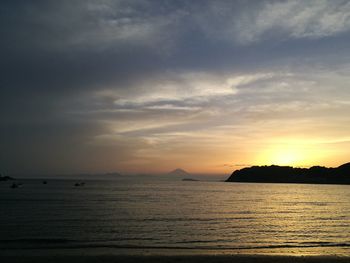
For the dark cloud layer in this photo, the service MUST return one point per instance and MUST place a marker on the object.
(114, 81)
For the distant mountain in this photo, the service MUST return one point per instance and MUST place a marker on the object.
(105, 176)
(288, 174)
(87, 176)
(179, 172)
(111, 174)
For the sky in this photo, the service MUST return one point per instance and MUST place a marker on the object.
(150, 86)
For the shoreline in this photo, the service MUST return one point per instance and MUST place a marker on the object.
(172, 258)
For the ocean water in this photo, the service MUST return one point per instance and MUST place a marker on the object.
(171, 215)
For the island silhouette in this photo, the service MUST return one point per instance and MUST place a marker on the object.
(288, 174)
(5, 178)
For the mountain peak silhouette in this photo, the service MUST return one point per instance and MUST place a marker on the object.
(179, 172)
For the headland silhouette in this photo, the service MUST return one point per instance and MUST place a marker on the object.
(288, 174)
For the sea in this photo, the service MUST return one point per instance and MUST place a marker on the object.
(140, 214)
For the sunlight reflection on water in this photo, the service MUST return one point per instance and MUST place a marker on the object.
(215, 216)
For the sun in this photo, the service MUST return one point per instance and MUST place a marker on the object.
(296, 152)
(286, 155)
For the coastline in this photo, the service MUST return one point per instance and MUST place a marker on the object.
(172, 258)
(98, 255)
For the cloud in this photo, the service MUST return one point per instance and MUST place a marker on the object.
(277, 20)
(90, 24)
(258, 99)
(176, 87)
(132, 82)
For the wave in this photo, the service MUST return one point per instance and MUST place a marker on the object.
(61, 243)
(36, 240)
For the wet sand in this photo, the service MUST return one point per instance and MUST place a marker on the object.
(172, 259)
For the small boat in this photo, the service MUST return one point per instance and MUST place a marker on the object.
(14, 185)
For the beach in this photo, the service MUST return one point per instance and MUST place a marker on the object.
(110, 255)
(172, 259)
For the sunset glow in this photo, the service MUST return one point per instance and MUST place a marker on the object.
(296, 152)
(149, 86)
(178, 131)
